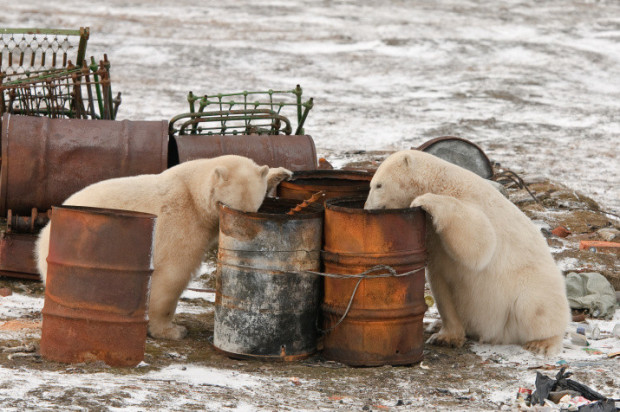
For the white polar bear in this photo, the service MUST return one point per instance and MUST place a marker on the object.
(184, 198)
(489, 267)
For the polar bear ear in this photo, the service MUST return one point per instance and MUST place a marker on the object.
(407, 160)
(220, 173)
(263, 170)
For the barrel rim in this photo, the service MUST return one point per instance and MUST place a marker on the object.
(312, 211)
(361, 175)
(120, 213)
(332, 205)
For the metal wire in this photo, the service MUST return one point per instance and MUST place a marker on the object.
(386, 271)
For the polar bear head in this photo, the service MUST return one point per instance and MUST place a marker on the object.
(241, 184)
(399, 180)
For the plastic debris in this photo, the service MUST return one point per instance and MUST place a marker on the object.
(591, 291)
(570, 394)
(561, 231)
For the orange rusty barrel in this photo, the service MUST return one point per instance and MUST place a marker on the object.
(264, 307)
(44, 160)
(98, 278)
(294, 152)
(384, 322)
(335, 183)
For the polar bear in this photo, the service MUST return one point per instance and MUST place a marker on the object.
(489, 267)
(184, 198)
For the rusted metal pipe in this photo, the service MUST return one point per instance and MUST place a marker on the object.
(264, 308)
(384, 323)
(97, 288)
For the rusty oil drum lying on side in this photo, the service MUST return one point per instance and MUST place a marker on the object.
(384, 324)
(335, 183)
(294, 152)
(44, 160)
(97, 289)
(264, 308)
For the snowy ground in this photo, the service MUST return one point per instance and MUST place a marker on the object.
(535, 84)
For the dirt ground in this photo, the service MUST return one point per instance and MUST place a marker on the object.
(192, 375)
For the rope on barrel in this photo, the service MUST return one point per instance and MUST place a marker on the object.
(367, 274)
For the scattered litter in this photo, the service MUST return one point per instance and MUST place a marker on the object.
(593, 351)
(29, 348)
(591, 291)
(561, 231)
(616, 330)
(4, 292)
(569, 394)
(597, 246)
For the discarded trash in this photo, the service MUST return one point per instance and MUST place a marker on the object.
(315, 198)
(524, 396)
(242, 113)
(26, 52)
(292, 152)
(597, 245)
(460, 152)
(561, 231)
(616, 330)
(99, 271)
(4, 292)
(335, 183)
(373, 321)
(428, 299)
(264, 307)
(578, 339)
(71, 154)
(74, 92)
(591, 291)
(546, 386)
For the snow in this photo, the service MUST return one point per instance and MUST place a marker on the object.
(535, 84)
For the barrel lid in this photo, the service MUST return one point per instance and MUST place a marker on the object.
(460, 152)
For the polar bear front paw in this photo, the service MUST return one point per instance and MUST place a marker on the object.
(168, 331)
(442, 338)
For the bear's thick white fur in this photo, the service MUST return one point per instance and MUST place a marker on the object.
(490, 269)
(184, 198)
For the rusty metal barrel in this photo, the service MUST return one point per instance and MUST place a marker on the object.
(44, 160)
(384, 322)
(294, 152)
(335, 183)
(97, 289)
(264, 307)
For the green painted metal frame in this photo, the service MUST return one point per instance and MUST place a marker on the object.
(240, 107)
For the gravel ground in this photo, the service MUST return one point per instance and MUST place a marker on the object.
(535, 84)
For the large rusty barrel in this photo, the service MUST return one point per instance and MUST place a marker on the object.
(97, 289)
(294, 152)
(335, 183)
(384, 322)
(44, 160)
(264, 307)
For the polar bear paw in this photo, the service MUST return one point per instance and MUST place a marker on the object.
(442, 338)
(546, 347)
(168, 331)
